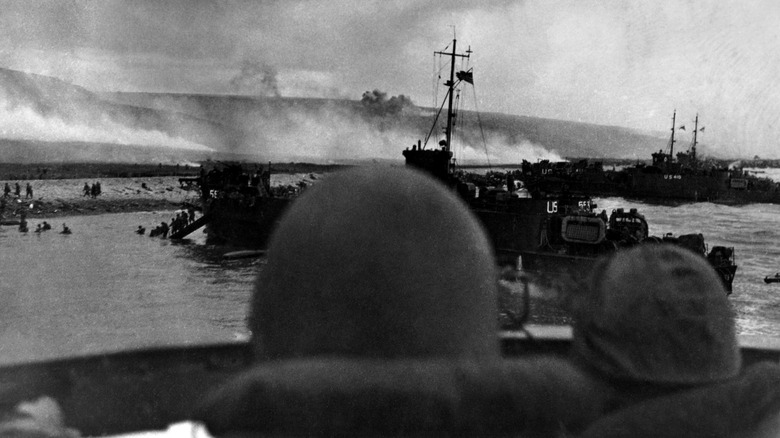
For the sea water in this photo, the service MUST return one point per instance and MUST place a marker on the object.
(105, 288)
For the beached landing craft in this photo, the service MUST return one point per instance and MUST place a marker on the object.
(239, 209)
(511, 215)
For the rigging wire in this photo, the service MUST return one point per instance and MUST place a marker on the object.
(435, 77)
(481, 130)
(456, 117)
(435, 119)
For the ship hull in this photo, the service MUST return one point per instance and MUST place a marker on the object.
(574, 270)
(242, 224)
(513, 226)
(680, 186)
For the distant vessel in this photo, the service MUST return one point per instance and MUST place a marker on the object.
(570, 244)
(683, 178)
(670, 177)
(512, 216)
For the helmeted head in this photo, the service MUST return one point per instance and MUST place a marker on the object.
(376, 262)
(656, 314)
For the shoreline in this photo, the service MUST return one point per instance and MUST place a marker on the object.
(65, 197)
(54, 198)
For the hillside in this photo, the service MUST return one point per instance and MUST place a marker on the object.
(46, 119)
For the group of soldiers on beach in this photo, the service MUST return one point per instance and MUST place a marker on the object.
(18, 191)
(15, 194)
(92, 191)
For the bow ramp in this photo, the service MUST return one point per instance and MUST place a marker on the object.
(184, 232)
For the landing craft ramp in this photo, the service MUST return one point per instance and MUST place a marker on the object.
(184, 232)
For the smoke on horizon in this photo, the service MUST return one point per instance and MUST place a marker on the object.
(256, 79)
(501, 150)
(48, 110)
(23, 123)
(329, 134)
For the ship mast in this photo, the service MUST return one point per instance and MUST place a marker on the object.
(451, 88)
(671, 141)
(695, 130)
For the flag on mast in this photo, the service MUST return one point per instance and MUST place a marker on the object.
(467, 76)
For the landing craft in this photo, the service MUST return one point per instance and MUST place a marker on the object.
(512, 216)
(570, 244)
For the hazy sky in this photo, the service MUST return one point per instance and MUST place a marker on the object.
(624, 63)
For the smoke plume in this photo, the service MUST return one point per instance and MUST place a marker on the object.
(256, 78)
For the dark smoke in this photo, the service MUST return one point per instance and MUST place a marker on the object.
(257, 79)
(377, 103)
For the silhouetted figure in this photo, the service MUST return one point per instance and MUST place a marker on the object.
(29, 191)
(656, 331)
(87, 190)
(65, 230)
(46, 226)
(376, 315)
(164, 229)
(6, 190)
(141, 230)
(18, 190)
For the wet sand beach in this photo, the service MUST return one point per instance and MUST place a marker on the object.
(65, 197)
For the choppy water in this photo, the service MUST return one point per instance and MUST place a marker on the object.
(753, 231)
(105, 288)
